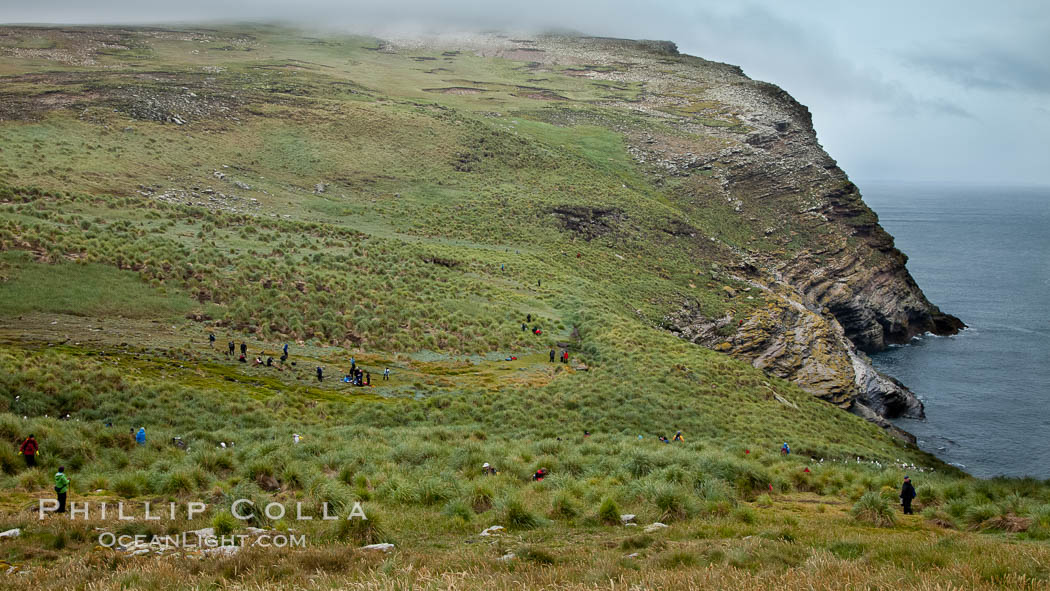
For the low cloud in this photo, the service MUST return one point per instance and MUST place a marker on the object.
(961, 75)
(989, 67)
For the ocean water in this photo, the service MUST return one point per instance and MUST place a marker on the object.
(982, 254)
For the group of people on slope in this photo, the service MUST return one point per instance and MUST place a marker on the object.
(231, 349)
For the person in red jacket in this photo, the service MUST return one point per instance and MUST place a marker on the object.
(29, 448)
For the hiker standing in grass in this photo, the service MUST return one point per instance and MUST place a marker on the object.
(140, 437)
(61, 488)
(231, 346)
(386, 374)
(211, 339)
(907, 494)
(244, 349)
(368, 379)
(320, 374)
(552, 355)
(28, 449)
(564, 356)
(286, 350)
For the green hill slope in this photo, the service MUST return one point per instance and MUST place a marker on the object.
(424, 205)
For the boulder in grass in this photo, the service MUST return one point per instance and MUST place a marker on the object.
(267, 483)
(654, 527)
(495, 530)
(379, 547)
(11, 533)
(626, 518)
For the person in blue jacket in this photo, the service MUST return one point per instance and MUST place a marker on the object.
(140, 437)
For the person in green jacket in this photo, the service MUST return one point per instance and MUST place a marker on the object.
(61, 488)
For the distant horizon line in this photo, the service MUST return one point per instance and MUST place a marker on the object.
(860, 182)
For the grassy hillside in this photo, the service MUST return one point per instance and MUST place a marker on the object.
(412, 208)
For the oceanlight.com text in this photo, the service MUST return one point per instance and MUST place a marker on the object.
(192, 540)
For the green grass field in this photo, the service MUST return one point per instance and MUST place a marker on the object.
(411, 209)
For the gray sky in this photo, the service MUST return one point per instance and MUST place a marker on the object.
(900, 90)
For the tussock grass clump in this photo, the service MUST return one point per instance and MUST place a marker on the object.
(609, 512)
(458, 509)
(745, 514)
(939, 517)
(361, 531)
(874, 509)
(976, 515)
(637, 542)
(563, 506)
(674, 504)
(224, 523)
(516, 515)
(480, 498)
(535, 554)
(678, 559)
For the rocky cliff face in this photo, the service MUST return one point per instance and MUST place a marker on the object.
(836, 284)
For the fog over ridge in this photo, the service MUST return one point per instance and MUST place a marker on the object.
(953, 91)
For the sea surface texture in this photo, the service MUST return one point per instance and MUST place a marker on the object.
(983, 254)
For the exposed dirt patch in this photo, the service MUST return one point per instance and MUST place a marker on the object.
(679, 228)
(588, 222)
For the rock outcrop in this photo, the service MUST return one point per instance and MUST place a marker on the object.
(790, 340)
(837, 285)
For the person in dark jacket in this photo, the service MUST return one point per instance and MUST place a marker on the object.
(907, 494)
(320, 374)
(230, 345)
(29, 448)
(244, 349)
(552, 355)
